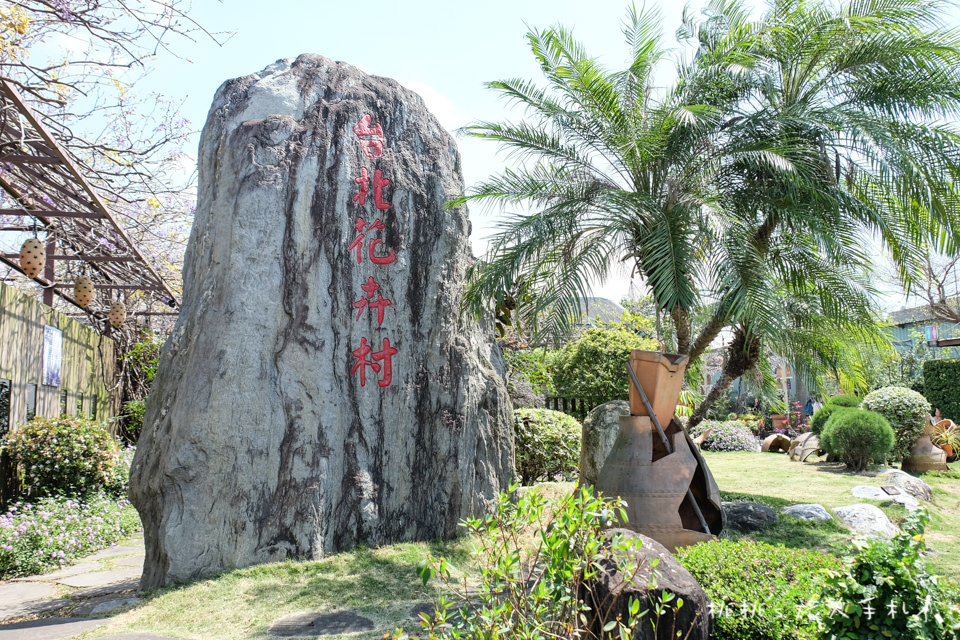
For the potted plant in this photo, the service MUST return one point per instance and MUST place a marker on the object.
(947, 437)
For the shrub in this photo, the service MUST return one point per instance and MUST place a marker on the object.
(821, 415)
(62, 456)
(940, 386)
(844, 401)
(756, 588)
(905, 410)
(56, 531)
(593, 368)
(547, 444)
(726, 436)
(857, 437)
(886, 592)
(132, 417)
(539, 588)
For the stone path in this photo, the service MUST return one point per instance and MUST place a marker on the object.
(106, 581)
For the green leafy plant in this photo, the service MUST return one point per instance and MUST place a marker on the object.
(905, 410)
(132, 416)
(821, 415)
(593, 368)
(547, 444)
(857, 437)
(538, 560)
(845, 401)
(940, 386)
(756, 588)
(66, 456)
(884, 591)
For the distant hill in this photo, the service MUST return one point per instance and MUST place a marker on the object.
(607, 310)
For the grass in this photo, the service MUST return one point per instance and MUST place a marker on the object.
(381, 584)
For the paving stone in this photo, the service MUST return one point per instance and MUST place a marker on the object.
(106, 590)
(113, 552)
(47, 628)
(112, 605)
(20, 598)
(66, 572)
(132, 561)
(101, 578)
(320, 624)
(876, 493)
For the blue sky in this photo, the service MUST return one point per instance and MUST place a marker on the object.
(444, 51)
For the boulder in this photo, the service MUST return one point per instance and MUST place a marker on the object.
(321, 389)
(866, 519)
(911, 484)
(814, 512)
(747, 517)
(610, 592)
(599, 432)
(876, 493)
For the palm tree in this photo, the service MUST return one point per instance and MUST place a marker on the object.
(748, 186)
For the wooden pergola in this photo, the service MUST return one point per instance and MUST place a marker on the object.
(49, 195)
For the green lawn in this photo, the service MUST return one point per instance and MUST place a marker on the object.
(381, 583)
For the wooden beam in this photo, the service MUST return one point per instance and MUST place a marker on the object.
(123, 287)
(34, 159)
(946, 342)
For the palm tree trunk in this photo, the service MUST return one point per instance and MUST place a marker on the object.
(742, 355)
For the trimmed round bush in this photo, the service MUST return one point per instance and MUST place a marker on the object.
(857, 437)
(821, 415)
(731, 435)
(547, 444)
(756, 588)
(845, 401)
(593, 368)
(905, 410)
(65, 456)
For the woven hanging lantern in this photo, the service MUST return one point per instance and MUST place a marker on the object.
(31, 257)
(83, 291)
(118, 313)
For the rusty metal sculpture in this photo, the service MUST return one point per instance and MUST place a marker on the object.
(775, 443)
(670, 492)
(804, 446)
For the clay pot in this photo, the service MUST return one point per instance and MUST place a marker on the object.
(31, 257)
(779, 421)
(925, 456)
(118, 313)
(654, 484)
(83, 291)
(661, 375)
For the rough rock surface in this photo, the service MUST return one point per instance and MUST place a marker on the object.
(746, 517)
(911, 484)
(807, 512)
(260, 440)
(876, 493)
(692, 620)
(866, 518)
(599, 432)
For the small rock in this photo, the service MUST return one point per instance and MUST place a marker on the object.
(747, 517)
(876, 493)
(648, 585)
(814, 512)
(911, 484)
(320, 624)
(111, 605)
(598, 435)
(866, 518)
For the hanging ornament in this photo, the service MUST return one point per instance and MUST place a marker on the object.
(83, 291)
(118, 313)
(31, 257)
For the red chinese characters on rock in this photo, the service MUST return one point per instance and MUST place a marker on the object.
(371, 139)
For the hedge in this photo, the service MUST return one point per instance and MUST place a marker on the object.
(941, 386)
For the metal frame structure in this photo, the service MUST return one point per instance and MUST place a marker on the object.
(54, 198)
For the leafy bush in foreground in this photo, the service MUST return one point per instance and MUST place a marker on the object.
(756, 588)
(905, 410)
(56, 531)
(886, 592)
(65, 456)
(731, 435)
(857, 437)
(547, 444)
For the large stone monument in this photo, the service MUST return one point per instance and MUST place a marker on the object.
(320, 389)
